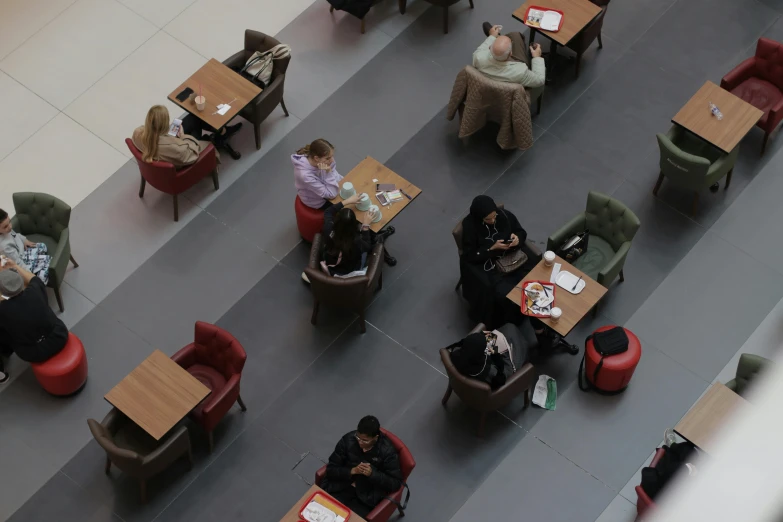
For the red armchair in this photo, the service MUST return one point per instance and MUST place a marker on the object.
(759, 81)
(216, 359)
(164, 177)
(385, 509)
(643, 502)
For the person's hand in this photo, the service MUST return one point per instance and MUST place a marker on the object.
(28, 244)
(323, 166)
(514, 241)
(180, 132)
(356, 470)
(495, 31)
(7, 263)
(352, 200)
(368, 217)
(500, 245)
(535, 50)
(365, 469)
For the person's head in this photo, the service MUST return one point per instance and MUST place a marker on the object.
(367, 432)
(11, 283)
(319, 151)
(155, 126)
(501, 48)
(484, 209)
(5, 222)
(344, 232)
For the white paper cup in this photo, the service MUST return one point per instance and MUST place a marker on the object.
(201, 102)
(347, 191)
(555, 314)
(549, 258)
(364, 202)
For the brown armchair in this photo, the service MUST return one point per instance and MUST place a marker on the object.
(353, 292)
(440, 3)
(582, 41)
(478, 394)
(262, 106)
(135, 452)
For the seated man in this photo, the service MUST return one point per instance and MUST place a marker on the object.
(28, 326)
(363, 469)
(504, 58)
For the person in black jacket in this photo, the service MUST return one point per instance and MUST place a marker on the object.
(363, 468)
(484, 234)
(358, 8)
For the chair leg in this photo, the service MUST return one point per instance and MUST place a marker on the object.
(600, 42)
(764, 143)
(257, 131)
(578, 63)
(622, 277)
(362, 323)
(527, 397)
(446, 20)
(211, 439)
(73, 261)
(143, 490)
(141, 188)
(728, 179)
(215, 179)
(190, 459)
(380, 282)
(314, 318)
(446, 395)
(471, 4)
(658, 184)
(241, 403)
(695, 204)
(59, 299)
(282, 104)
(107, 468)
(532, 35)
(538, 108)
(331, 9)
(482, 422)
(459, 284)
(176, 208)
(403, 4)
(363, 26)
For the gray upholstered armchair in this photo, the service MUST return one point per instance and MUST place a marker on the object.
(262, 105)
(44, 219)
(612, 227)
(135, 452)
(748, 367)
(352, 292)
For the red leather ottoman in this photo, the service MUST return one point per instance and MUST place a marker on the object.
(66, 372)
(309, 221)
(617, 370)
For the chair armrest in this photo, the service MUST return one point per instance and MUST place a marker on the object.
(739, 74)
(775, 115)
(577, 224)
(473, 392)
(613, 267)
(237, 60)
(533, 248)
(270, 89)
(207, 155)
(62, 243)
(374, 266)
(386, 507)
(722, 165)
(320, 475)
(478, 328)
(228, 393)
(521, 380)
(174, 446)
(315, 252)
(15, 225)
(186, 357)
(113, 420)
(668, 148)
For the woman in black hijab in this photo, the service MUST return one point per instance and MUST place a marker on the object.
(484, 234)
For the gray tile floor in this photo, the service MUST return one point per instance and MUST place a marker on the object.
(235, 259)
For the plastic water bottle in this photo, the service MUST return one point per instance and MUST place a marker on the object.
(716, 111)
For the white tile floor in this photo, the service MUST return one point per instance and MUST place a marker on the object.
(81, 75)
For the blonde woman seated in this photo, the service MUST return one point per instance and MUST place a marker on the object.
(156, 144)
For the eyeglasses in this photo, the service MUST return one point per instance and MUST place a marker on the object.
(366, 442)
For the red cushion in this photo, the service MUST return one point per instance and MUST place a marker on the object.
(66, 372)
(617, 370)
(769, 61)
(760, 93)
(209, 377)
(309, 221)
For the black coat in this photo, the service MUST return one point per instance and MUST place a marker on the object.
(386, 476)
(361, 246)
(358, 8)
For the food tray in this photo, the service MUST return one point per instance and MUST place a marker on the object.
(326, 500)
(549, 287)
(536, 26)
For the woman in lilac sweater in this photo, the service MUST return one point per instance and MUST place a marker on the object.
(315, 175)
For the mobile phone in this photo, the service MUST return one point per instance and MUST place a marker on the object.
(508, 241)
(174, 129)
(382, 199)
(184, 94)
(384, 187)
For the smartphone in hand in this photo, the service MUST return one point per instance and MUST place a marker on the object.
(175, 126)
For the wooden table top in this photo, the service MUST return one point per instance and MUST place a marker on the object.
(738, 117)
(576, 15)
(293, 513)
(574, 307)
(708, 415)
(363, 177)
(219, 85)
(157, 394)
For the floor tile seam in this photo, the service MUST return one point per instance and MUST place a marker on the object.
(12, 51)
(777, 269)
(663, 13)
(100, 501)
(398, 343)
(47, 122)
(180, 41)
(607, 486)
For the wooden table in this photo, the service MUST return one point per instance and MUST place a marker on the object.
(576, 15)
(363, 177)
(293, 513)
(708, 415)
(738, 117)
(574, 306)
(157, 394)
(219, 85)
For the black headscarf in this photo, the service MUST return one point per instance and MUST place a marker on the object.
(482, 206)
(470, 359)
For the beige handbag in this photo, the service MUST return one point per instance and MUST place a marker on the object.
(259, 67)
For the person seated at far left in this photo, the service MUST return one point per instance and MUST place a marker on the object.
(32, 256)
(363, 469)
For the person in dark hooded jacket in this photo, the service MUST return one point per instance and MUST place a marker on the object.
(484, 232)
(363, 468)
(358, 8)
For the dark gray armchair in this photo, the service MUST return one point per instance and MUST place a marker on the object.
(262, 106)
(748, 368)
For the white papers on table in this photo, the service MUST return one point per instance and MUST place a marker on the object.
(555, 271)
(223, 108)
(550, 21)
(315, 512)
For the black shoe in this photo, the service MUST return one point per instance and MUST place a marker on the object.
(4, 375)
(388, 259)
(386, 232)
(714, 187)
(572, 348)
(231, 130)
(487, 27)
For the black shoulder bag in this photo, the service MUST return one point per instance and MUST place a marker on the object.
(609, 342)
(573, 247)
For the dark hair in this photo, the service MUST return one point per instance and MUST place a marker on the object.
(3, 214)
(319, 147)
(369, 425)
(344, 233)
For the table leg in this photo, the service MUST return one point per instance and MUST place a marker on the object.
(552, 65)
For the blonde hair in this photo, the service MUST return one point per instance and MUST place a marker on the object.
(155, 126)
(319, 148)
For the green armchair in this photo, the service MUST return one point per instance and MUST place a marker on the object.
(612, 227)
(44, 219)
(693, 164)
(748, 367)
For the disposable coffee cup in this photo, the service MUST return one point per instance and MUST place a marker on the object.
(201, 102)
(377, 210)
(364, 202)
(347, 191)
(549, 258)
(555, 314)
